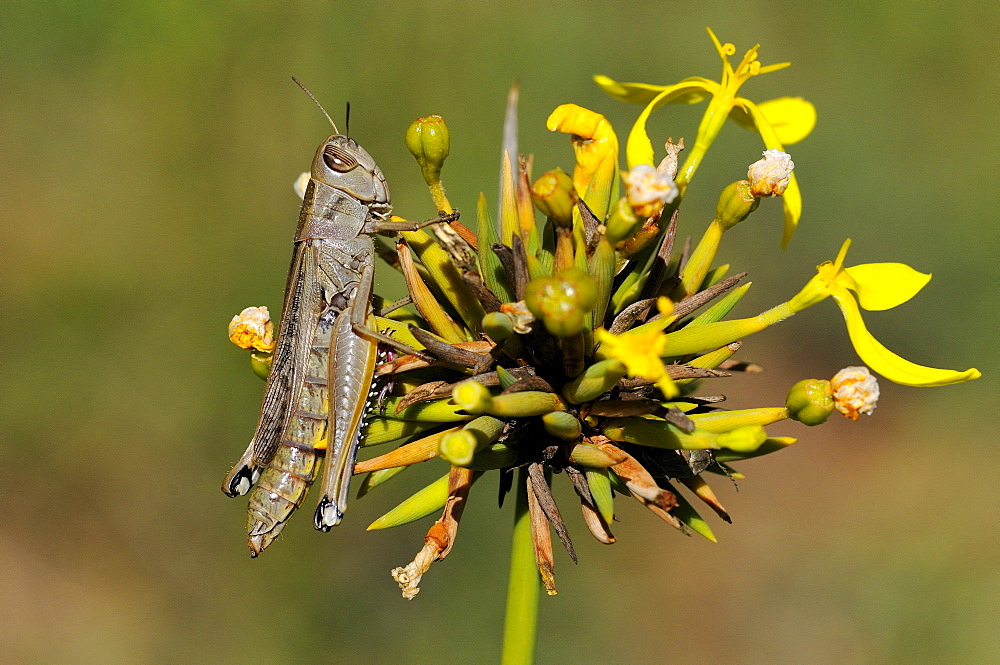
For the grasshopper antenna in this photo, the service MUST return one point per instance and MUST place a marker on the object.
(347, 120)
(313, 97)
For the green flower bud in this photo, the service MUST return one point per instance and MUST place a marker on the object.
(585, 454)
(471, 396)
(596, 380)
(428, 140)
(562, 301)
(622, 222)
(498, 326)
(525, 404)
(551, 194)
(458, 447)
(735, 203)
(810, 401)
(562, 425)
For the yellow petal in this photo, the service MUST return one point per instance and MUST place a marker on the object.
(639, 351)
(791, 201)
(643, 93)
(594, 141)
(884, 285)
(792, 118)
(885, 362)
(639, 149)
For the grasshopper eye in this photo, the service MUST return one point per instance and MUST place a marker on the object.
(337, 159)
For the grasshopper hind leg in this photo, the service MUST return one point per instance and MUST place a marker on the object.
(243, 475)
(328, 515)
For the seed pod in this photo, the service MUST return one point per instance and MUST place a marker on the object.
(735, 204)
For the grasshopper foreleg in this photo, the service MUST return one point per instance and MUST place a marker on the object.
(393, 306)
(387, 226)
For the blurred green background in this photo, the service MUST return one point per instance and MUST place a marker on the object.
(148, 152)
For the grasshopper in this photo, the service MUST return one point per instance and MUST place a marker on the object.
(319, 387)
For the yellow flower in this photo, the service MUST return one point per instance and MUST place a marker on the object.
(594, 140)
(878, 286)
(596, 148)
(641, 350)
(779, 121)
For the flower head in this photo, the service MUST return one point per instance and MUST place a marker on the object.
(596, 148)
(602, 392)
(594, 140)
(519, 315)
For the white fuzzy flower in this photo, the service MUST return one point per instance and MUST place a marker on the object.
(770, 176)
(252, 328)
(855, 391)
(648, 190)
(301, 183)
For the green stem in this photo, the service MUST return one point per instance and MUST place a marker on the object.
(521, 621)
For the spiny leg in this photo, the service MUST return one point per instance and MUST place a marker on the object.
(352, 366)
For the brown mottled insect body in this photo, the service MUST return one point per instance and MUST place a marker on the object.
(318, 390)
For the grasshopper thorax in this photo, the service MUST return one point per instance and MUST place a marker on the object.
(342, 164)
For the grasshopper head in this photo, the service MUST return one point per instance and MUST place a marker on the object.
(342, 164)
